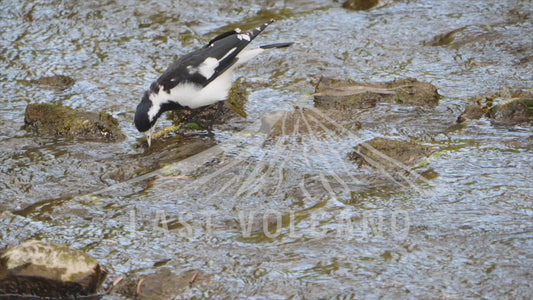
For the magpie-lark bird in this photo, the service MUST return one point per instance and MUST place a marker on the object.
(200, 78)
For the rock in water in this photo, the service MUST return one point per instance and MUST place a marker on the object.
(388, 155)
(360, 4)
(515, 107)
(56, 81)
(48, 270)
(350, 95)
(512, 111)
(63, 121)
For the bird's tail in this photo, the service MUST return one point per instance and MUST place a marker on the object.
(256, 31)
(248, 35)
(277, 45)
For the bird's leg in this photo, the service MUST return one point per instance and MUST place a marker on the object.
(193, 115)
(217, 114)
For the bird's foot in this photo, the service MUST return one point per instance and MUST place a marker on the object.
(218, 112)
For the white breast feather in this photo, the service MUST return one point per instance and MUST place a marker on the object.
(192, 96)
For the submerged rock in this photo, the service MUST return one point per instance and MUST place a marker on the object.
(466, 35)
(47, 270)
(360, 4)
(307, 121)
(163, 284)
(62, 121)
(348, 95)
(170, 149)
(445, 38)
(56, 81)
(389, 155)
(338, 104)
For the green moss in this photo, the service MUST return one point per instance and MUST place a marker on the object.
(238, 97)
(193, 125)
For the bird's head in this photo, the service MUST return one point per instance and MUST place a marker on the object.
(144, 121)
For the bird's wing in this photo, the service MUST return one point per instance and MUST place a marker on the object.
(205, 64)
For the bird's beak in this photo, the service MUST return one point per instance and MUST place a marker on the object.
(149, 134)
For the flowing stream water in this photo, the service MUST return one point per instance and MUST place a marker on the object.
(292, 216)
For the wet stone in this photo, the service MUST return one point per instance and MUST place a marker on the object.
(473, 111)
(57, 120)
(348, 95)
(390, 155)
(173, 148)
(445, 38)
(513, 111)
(35, 268)
(55, 81)
(516, 108)
(360, 4)
(463, 36)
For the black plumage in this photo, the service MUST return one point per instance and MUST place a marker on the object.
(217, 48)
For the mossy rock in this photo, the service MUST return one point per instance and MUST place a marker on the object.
(517, 108)
(350, 95)
(61, 121)
(48, 270)
(238, 97)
